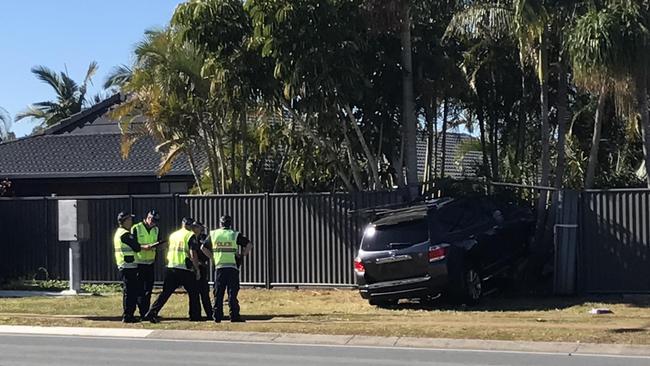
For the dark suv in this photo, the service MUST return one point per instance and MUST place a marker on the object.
(448, 246)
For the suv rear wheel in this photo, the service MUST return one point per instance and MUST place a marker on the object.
(468, 286)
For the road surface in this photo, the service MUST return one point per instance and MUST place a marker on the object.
(32, 350)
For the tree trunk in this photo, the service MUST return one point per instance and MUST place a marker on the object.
(562, 120)
(484, 149)
(595, 139)
(443, 162)
(195, 174)
(545, 138)
(243, 162)
(494, 130)
(430, 118)
(356, 174)
(408, 107)
(372, 161)
(285, 154)
(642, 103)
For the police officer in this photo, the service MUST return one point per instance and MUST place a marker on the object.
(182, 270)
(125, 247)
(148, 236)
(202, 285)
(226, 247)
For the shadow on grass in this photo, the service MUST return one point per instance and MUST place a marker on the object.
(163, 318)
(509, 302)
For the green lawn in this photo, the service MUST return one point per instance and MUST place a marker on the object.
(344, 312)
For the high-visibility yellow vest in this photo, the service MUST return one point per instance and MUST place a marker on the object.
(224, 247)
(144, 236)
(122, 249)
(179, 249)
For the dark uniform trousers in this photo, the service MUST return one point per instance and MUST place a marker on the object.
(226, 279)
(145, 271)
(131, 289)
(203, 287)
(174, 278)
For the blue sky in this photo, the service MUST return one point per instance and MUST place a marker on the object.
(67, 34)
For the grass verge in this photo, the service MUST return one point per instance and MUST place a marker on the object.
(344, 312)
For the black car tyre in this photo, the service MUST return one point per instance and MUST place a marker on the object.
(467, 288)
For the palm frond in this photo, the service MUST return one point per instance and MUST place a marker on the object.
(49, 77)
(168, 159)
(481, 21)
(119, 76)
(31, 112)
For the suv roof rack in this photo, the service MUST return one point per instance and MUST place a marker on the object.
(399, 207)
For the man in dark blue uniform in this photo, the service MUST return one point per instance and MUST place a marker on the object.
(227, 247)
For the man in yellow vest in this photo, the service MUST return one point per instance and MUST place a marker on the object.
(227, 247)
(125, 248)
(182, 270)
(148, 236)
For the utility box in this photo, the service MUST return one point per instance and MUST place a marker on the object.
(73, 220)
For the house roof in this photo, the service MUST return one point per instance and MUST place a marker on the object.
(71, 156)
(456, 166)
(86, 144)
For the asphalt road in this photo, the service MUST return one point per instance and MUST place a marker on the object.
(29, 350)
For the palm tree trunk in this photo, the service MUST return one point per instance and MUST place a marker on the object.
(545, 138)
(429, 116)
(494, 130)
(443, 162)
(562, 119)
(642, 103)
(408, 107)
(243, 176)
(484, 149)
(595, 139)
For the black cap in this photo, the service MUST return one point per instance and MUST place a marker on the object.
(188, 221)
(122, 216)
(197, 224)
(154, 213)
(225, 221)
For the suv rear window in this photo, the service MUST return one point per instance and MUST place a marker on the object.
(400, 235)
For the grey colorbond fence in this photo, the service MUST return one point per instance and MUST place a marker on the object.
(299, 239)
(602, 238)
(614, 246)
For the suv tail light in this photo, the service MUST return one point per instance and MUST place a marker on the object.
(358, 266)
(438, 252)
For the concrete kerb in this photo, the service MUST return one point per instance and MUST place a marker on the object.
(576, 348)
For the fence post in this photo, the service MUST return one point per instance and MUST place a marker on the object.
(565, 240)
(269, 248)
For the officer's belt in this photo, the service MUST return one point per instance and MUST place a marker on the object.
(226, 250)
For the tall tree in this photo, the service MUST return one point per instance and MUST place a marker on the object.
(396, 15)
(70, 96)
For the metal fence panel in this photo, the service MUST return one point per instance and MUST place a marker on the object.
(249, 213)
(97, 256)
(23, 226)
(299, 239)
(614, 245)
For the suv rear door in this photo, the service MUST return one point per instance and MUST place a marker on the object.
(396, 251)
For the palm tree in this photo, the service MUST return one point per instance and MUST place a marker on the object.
(609, 47)
(157, 85)
(586, 44)
(5, 124)
(70, 96)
